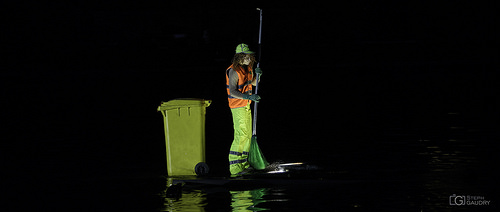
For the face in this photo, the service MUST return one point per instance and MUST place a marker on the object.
(246, 60)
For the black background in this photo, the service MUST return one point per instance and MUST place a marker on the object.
(81, 81)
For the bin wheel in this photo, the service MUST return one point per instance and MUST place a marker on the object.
(201, 169)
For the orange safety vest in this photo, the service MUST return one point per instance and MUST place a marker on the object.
(244, 86)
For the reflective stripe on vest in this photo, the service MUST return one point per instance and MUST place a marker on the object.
(238, 153)
(238, 161)
(244, 86)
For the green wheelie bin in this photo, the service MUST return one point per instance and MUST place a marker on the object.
(184, 123)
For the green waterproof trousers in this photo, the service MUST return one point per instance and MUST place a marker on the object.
(238, 154)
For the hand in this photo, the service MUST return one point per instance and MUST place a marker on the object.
(255, 97)
(258, 71)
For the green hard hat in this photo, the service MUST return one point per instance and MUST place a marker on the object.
(243, 48)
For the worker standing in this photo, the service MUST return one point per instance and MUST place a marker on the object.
(240, 78)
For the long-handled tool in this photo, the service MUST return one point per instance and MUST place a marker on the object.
(255, 157)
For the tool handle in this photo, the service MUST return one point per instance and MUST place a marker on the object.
(260, 37)
(254, 124)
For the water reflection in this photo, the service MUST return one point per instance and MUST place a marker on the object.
(178, 199)
(248, 200)
(192, 197)
(192, 200)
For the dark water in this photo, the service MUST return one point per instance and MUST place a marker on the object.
(93, 141)
(403, 175)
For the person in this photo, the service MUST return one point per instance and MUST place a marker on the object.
(240, 77)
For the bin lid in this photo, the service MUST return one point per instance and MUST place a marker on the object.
(184, 102)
